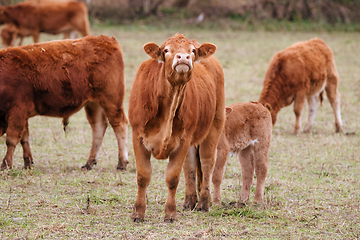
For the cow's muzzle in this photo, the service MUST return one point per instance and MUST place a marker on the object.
(182, 63)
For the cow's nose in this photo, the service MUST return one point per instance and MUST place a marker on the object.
(182, 56)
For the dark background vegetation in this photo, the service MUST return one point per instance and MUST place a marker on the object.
(328, 14)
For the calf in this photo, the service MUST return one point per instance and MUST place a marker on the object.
(47, 16)
(302, 71)
(247, 133)
(57, 79)
(177, 101)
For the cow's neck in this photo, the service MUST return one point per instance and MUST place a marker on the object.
(171, 103)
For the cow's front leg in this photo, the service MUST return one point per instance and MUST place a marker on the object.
(218, 174)
(190, 178)
(299, 102)
(28, 159)
(172, 177)
(143, 175)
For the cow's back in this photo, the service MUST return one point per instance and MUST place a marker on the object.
(248, 122)
(58, 77)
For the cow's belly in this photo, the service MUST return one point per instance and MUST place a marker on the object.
(316, 87)
(159, 146)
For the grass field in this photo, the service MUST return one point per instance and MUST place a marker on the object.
(313, 184)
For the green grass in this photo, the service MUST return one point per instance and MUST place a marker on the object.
(312, 188)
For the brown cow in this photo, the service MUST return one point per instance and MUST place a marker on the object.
(302, 71)
(177, 101)
(247, 133)
(57, 79)
(47, 16)
(10, 33)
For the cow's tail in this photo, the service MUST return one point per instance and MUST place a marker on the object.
(65, 122)
(321, 97)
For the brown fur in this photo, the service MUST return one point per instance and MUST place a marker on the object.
(57, 79)
(302, 71)
(247, 133)
(33, 17)
(171, 111)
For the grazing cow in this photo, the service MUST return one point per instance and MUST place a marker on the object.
(10, 33)
(57, 79)
(247, 133)
(47, 16)
(302, 71)
(177, 102)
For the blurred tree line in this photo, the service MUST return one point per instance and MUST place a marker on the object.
(331, 11)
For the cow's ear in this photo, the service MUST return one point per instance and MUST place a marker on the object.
(268, 106)
(205, 51)
(153, 50)
(228, 110)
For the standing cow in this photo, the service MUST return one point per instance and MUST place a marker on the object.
(177, 102)
(298, 73)
(46, 16)
(247, 133)
(57, 79)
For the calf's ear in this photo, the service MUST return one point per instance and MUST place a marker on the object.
(268, 106)
(153, 50)
(205, 51)
(228, 110)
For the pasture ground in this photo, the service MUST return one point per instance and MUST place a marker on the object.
(312, 188)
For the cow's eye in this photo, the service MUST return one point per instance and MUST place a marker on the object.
(193, 50)
(166, 50)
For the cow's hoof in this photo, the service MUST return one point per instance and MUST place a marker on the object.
(170, 220)
(136, 218)
(201, 207)
(86, 167)
(122, 166)
(188, 206)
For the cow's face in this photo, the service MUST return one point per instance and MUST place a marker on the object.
(179, 55)
(6, 37)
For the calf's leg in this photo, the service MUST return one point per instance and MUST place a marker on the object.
(247, 170)
(98, 123)
(261, 169)
(218, 174)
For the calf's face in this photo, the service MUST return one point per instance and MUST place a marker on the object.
(179, 55)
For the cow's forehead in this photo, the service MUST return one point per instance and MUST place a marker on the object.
(179, 40)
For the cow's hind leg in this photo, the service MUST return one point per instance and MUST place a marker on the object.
(247, 169)
(207, 151)
(189, 168)
(98, 122)
(28, 159)
(334, 99)
(312, 106)
(119, 123)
